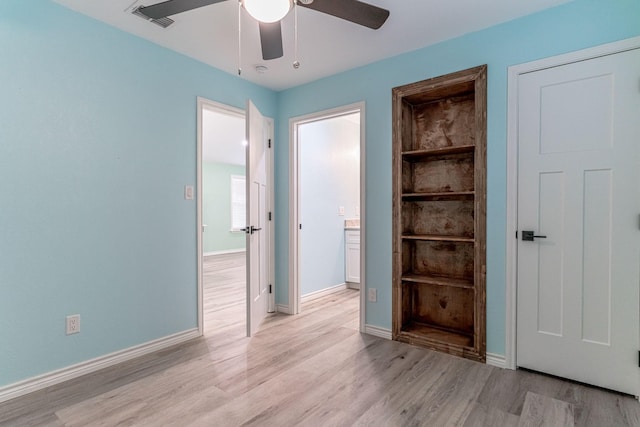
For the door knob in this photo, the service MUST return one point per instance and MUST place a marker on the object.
(528, 236)
(254, 229)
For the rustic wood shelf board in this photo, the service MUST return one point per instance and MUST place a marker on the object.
(435, 238)
(417, 330)
(420, 155)
(451, 195)
(437, 280)
(439, 213)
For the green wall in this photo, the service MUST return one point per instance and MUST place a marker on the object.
(216, 207)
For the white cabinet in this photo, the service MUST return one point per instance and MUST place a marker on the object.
(352, 256)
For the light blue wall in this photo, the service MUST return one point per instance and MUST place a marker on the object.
(329, 178)
(216, 208)
(576, 25)
(97, 140)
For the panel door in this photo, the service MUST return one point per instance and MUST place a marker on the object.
(578, 185)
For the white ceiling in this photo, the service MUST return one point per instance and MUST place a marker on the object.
(327, 45)
(222, 136)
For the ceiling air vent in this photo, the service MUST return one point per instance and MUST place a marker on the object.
(162, 22)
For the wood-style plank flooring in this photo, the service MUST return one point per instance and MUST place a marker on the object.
(314, 369)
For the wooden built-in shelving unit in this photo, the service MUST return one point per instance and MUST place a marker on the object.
(439, 213)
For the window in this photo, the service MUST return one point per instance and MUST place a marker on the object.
(238, 203)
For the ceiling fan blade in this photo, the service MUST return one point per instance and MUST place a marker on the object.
(354, 11)
(271, 40)
(172, 7)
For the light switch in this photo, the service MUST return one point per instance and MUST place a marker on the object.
(188, 192)
(341, 211)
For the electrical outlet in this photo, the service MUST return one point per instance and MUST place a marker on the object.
(373, 295)
(341, 210)
(73, 324)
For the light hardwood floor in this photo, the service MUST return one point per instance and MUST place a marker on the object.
(314, 369)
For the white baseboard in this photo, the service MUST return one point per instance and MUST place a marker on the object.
(281, 308)
(496, 360)
(377, 331)
(65, 374)
(229, 251)
(323, 292)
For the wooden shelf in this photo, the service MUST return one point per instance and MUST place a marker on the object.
(421, 155)
(451, 195)
(421, 331)
(438, 280)
(439, 213)
(437, 238)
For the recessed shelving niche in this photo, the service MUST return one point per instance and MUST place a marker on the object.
(439, 213)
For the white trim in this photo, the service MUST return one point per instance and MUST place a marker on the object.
(377, 331)
(225, 252)
(272, 224)
(511, 225)
(293, 307)
(496, 360)
(363, 216)
(281, 308)
(294, 166)
(323, 292)
(74, 371)
(200, 102)
(512, 171)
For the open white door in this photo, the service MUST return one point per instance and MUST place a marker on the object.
(578, 206)
(257, 234)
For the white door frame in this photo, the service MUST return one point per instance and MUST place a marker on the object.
(294, 241)
(226, 109)
(512, 171)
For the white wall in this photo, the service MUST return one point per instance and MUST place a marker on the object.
(329, 178)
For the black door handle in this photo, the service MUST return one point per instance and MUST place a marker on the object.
(528, 236)
(254, 229)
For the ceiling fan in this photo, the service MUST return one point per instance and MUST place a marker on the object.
(268, 13)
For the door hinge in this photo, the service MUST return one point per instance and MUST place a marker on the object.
(269, 143)
(300, 226)
(269, 216)
(270, 289)
(638, 358)
(516, 234)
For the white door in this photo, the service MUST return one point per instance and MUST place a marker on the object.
(578, 185)
(257, 233)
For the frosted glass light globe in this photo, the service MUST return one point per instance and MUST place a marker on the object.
(267, 11)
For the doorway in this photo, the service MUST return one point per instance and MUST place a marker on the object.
(223, 207)
(223, 201)
(327, 219)
(574, 283)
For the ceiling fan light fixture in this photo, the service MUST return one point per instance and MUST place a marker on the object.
(268, 11)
